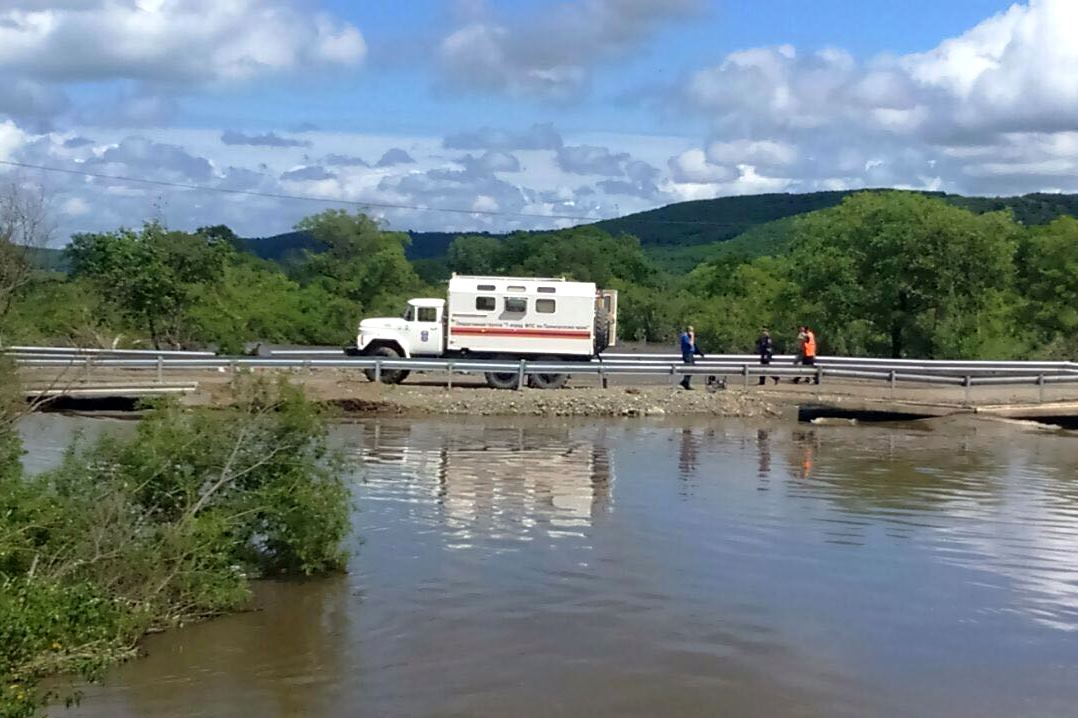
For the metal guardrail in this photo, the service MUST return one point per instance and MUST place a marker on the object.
(91, 351)
(954, 367)
(965, 374)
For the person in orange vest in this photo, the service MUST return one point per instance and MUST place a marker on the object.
(807, 338)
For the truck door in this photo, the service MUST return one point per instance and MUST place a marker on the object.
(610, 304)
(427, 331)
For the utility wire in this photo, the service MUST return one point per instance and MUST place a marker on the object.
(330, 200)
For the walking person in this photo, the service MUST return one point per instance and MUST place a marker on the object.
(807, 341)
(799, 357)
(689, 352)
(765, 348)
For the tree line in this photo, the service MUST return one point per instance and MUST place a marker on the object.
(881, 273)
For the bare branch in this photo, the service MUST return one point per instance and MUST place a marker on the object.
(25, 225)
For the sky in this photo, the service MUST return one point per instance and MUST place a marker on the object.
(497, 115)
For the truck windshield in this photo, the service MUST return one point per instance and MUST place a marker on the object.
(409, 313)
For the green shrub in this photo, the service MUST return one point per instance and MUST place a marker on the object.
(161, 528)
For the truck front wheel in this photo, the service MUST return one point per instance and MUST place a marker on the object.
(389, 376)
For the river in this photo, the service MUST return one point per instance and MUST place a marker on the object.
(636, 568)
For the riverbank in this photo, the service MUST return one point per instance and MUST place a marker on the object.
(430, 395)
(161, 528)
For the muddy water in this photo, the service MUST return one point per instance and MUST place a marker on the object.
(643, 569)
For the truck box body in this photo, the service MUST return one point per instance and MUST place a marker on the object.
(521, 316)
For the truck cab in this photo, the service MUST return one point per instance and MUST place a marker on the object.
(420, 331)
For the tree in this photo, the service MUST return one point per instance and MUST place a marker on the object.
(1048, 280)
(476, 255)
(362, 263)
(905, 272)
(25, 225)
(152, 276)
(734, 299)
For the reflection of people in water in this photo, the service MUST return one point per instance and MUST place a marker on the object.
(763, 451)
(806, 461)
(686, 457)
(807, 442)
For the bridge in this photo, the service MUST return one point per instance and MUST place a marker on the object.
(848, 386)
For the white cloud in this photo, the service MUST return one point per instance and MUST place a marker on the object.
(551, 56)
(11, 138)
(75, 207)
(978, 113)
(532, 183)
(1014, 71)
(185, 41)
(693, 167)
(592, 160)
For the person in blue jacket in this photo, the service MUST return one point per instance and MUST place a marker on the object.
(689, 352)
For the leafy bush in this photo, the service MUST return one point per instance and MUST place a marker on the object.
(158, 529)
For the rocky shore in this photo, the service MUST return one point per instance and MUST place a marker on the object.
(613, 402)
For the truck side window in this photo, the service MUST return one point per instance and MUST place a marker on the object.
(427, 314)
(516, 304)
(485, 304)
(545, 306)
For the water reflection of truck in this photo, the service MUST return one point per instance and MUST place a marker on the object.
(497, 318)
(509, 476)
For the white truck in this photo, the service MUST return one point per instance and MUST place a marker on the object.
(508, 318)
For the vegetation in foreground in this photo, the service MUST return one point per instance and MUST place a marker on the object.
(877, 274)
(169, 526)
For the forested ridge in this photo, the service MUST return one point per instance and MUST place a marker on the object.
(680, 235)
(887, 273)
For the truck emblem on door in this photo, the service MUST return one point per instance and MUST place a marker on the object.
(424, 335)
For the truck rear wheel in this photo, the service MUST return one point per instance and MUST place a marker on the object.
(389, 376)
(502, 380)
(547, 381)
(602, 332)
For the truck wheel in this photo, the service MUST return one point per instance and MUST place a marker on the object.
(602, 332)
(502, 380)
(547, 381)
(389, 376)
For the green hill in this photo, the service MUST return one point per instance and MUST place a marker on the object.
(680, 236)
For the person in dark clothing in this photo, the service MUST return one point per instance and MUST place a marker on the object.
(765, 348)
(689, 352)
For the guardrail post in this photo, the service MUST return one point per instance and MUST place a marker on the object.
(745, 374)
(602, 376)
(520, 374)
(377, 370)
(307, 365)
(893, 380)
(673, 374)
(86, 368)
(449, 383)
(965, 383)
(1040, 388)
(160, 369)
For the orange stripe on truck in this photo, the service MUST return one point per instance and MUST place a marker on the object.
(521, 332)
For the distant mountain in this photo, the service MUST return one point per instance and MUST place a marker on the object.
(279, 247)
(706, 221)
(681, 235)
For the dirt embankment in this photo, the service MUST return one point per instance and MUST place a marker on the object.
(644, 401)
(356, 395)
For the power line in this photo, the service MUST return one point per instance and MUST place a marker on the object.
(331, 200)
